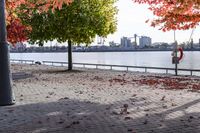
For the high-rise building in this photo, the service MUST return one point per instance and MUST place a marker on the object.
(199, 44)
(145, 41)
(191, 44)
(126, 42)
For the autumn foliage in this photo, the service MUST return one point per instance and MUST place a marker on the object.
(16, 31)
(170, 14)
(174, 14)
(168, 83)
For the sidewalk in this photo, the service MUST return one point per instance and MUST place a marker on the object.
(99, 101)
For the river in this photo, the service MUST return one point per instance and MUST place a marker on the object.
(191, 60)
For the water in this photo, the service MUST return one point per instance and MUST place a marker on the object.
(191, 60)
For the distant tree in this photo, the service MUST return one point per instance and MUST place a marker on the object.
(174, 14)
(76, 23)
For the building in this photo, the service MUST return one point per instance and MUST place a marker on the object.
(126, 42)
(18, 47)
(112, 44)
(145, 41)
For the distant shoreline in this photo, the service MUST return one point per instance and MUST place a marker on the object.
(103, 51)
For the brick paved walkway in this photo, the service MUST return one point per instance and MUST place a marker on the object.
(84, 101)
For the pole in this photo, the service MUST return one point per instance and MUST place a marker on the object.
(69, 55)
(176, 50)
(6, 94)
(176, 62)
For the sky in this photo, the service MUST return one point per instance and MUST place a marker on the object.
(131, 20)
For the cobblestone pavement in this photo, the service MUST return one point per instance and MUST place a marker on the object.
(86, 101)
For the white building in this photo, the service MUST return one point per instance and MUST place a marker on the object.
(145, 41)
(125, 42)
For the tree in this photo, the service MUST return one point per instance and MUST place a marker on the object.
(174, 14)
(16, 31)
(76, 23)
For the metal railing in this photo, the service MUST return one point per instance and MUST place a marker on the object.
(22, 61)
(111, 67)
(127, 68)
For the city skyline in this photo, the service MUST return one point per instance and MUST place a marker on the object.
(131, 20)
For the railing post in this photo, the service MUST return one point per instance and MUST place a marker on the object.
(191, 72)
(96, 66)
(127, 68)
(145, 69)
(166, 71)
(110, 67)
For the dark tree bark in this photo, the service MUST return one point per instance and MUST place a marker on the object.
(69, 55)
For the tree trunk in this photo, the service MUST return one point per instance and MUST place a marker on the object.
(69, 55)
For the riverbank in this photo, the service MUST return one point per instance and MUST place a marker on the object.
(101, 101)
(90, 51)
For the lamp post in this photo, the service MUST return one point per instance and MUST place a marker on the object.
(176, 54)
(6, 94)
(176, 58)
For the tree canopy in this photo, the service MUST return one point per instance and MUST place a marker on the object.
(16, 31)
(78, 22)
(174, 14)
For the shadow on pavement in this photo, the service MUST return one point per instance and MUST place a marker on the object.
(73, 116)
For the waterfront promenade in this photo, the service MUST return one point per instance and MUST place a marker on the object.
(51, 99)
